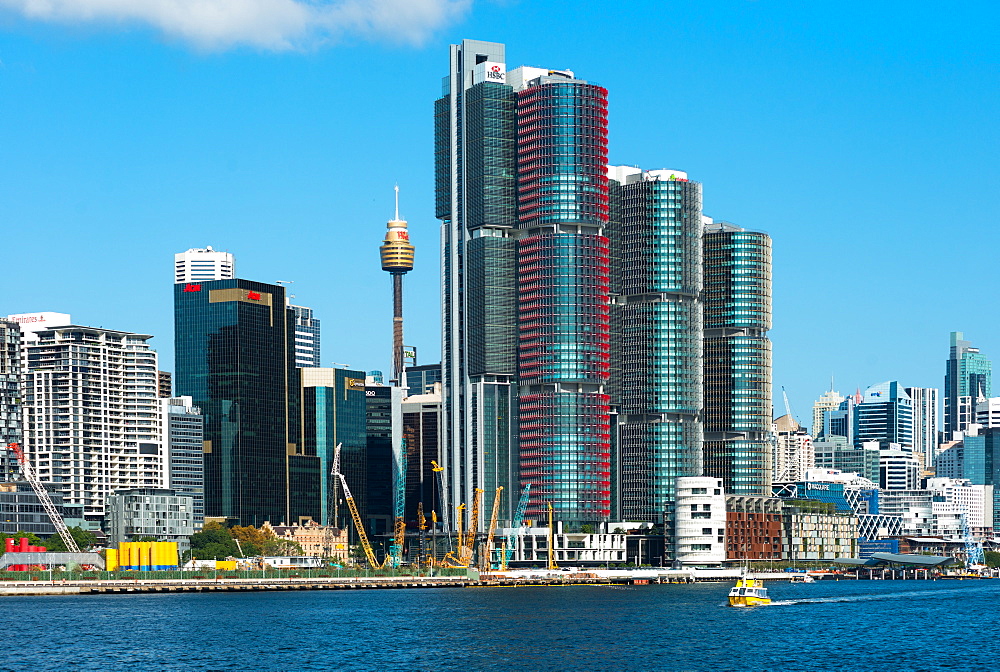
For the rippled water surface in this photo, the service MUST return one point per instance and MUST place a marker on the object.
(846, 625)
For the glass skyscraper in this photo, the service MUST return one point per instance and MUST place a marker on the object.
(522, 193)
(656, 344)
(968, 376)
(885, 414)
(737, 416)
(235, 357)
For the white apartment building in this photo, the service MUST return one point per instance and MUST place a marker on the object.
(925, 406)
(975, 501)
(202, 265)
(92, 419)
(924, 513)
(700, 521)
(828, 401)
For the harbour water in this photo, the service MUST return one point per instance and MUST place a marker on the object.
(827, 625)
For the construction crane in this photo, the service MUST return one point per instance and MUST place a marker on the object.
(552, 541)
(470, 535)
(788, 406)
(487, 560)
(449, 559)
(515, 526)
(442, 488)
(421, 531)
(358, 525)
(44, 499)
(973, 549)
(399, 510)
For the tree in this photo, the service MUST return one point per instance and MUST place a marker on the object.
(252, 539)
(32, 539)
(587, 528)
(992, 558)
(83, 539)
(279, 546)
(214, 542)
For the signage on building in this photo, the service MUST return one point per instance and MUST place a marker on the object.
(253, 296)
(32, 322)
(490, 71)
(354, 383)
(190, 287)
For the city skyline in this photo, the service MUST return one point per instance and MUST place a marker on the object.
(154, 156)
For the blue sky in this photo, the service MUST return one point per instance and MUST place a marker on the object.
(861, 136)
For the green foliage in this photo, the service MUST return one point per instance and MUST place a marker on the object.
(32, 539)
(214, 542)
(587, 528)
(992, 558)
(83, 539)
(276, 546)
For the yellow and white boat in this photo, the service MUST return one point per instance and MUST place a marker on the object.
(748, 592)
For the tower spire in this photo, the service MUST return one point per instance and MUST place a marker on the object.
(397, 258)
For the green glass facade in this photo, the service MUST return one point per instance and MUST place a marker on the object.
(656, 381)
(968, 375)
(234, 353)
(737, 358)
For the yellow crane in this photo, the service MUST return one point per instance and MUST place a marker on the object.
(470, 536)
(358, 525)
(449, 559)
(485, 560)
(552, 541)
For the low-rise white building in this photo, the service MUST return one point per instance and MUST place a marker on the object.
(700, 521)
(531, 546)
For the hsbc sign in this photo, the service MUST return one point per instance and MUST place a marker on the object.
(490, 71)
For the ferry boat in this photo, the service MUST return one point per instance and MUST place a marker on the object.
(802, 578)
(748, 592)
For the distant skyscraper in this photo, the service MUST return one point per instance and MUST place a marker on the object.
(793, 451)
(421, 428)
(828, 401)
(200, 265)
(968, 375)
(164, 384)
(988, 412)
(102, 386)
(234, 357)
(924, 401)
(183, 436)
(307, 350)
(737, 376)
(885, 414)
(421, 379)
(656, 342)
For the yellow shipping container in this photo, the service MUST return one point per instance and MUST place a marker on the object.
(111, 559)
(226, 564)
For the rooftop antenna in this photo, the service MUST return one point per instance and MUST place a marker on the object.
(396, 218)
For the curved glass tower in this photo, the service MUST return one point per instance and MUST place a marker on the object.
(737, 358)
(657, 337)
(562, 296)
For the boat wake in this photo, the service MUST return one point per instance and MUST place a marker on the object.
(930, 594)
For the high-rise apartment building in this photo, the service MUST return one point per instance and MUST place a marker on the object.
(924, 402)
(92, 416)
(737, 374)
(793, 451)
(968, 376)
(201, 265)
(183, 429)
(522, 193)
(828, 401)
(10, 396)
(885, 414)
(656, 340)
(307, 352)
(234, 351)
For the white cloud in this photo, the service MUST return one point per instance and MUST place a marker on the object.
(268, 24)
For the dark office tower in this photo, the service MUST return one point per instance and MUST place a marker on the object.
(421, 379)
(421, 429)
(563, 313)
(967, 376)
(333, 412)
(235, 358)
(384, 437)
(475, 187)
(737, 304)
(656, 344)
(307, 352)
